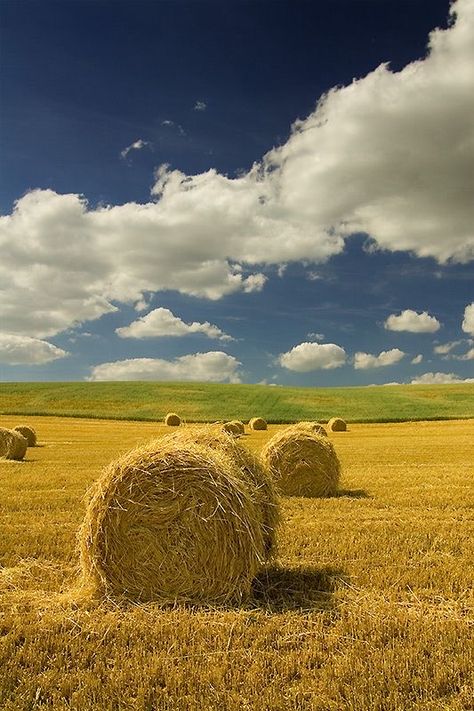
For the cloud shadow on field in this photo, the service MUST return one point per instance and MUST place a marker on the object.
(279, 589)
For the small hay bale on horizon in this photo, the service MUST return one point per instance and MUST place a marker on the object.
(252, 470)
(302, 463)
(337, 424)
(315, 427)
(12, 444)
(28, 432)
(257, 423)
(240, 425)
(172, 419)
(231, 428)
(172, 522)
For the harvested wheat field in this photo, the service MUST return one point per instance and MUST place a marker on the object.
(369, 606)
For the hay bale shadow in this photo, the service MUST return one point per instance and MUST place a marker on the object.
(354, 493)
(280, 589)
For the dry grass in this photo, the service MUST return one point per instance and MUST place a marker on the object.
(371, 606)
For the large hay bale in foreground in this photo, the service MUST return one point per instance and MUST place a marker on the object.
(257, 423)
(258, 480)
(336, 424)
(172, 522)
(302, 463)
(12, 444)
(28, 433)
(314, 427)
(172, 419)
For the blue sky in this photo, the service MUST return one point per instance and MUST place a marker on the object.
(258, 191)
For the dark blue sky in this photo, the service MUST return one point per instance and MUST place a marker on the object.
(84, 80)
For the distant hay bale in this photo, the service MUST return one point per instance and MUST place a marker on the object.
(314, 427)
(12, 444)
(336, 424)
(231, 428)
(302, 463)
(240, 425)
(257, 423)
(27, 432)
(172, 522)
(172, 419)
(255, 475)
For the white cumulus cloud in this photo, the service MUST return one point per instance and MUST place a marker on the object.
(468, 321)
(391, 155)
(363, 361)
(212, 367)
(306, 357)
(417, 359)
(23, 350)
(412, 322)
(444, 348)
(162, 322)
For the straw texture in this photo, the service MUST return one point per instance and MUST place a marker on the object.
(302, 463)
(172, 419)
(336, 424)
(27, 432)
(172, 522)
(257, 423)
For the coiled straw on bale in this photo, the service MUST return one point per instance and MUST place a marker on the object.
(302, 463)
(172, 419)
(12, 444)
(257, 423)
(27, 432)
(314, 427)
(336, 424)
(172, 522)
(256, 477)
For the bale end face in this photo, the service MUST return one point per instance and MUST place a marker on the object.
(257, 423)
(336, 424)
(172, 419)
(27, 432)
(172, 522)
(231, 428)
(302, 463)
(12, 444)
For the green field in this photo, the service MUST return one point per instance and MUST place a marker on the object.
(369, 607)
(204, 402)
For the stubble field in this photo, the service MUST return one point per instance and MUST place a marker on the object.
(371, 604)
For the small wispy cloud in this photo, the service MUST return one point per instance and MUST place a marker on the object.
(200, 106)
(172, 124)
(136, 146)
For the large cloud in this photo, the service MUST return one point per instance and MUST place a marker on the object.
(162, 322)
(412, 322)
(390, 155)
(306, 357)
(363, 361)
(212, 367)
(468, 321)
(22, 350)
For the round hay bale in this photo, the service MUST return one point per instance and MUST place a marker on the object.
(314, 427)
(231, 428)
(257, 423)
(171, 521)
(172, 419)
(252, 471)
(12, 444)
(27, 432)
(302, 463)
(336, 424)
(240, 425)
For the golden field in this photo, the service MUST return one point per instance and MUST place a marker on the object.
(371, 605)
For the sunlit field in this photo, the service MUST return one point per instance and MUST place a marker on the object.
(371, 604)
